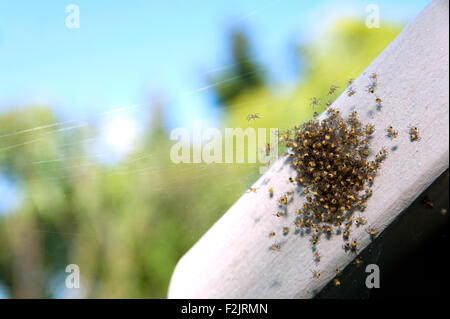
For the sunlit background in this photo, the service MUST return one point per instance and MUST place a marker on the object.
(86, 114)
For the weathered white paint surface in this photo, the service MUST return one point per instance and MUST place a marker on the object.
(233, 259)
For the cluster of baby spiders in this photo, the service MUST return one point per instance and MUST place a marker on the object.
(414, 133)
(331, 158)
(391, 133)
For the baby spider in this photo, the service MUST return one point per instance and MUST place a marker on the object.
(332, 89)
(414, 129)
(378, 103)
(268, 149)
(358, 262)
(283, 200)
(253, 116)
(371, 87)
(350, 82)
(428, 203)
(314, 240)
(346, 246)
(270, 191)
(373, 76)
(275, 247)
(371, 232)
(414, 137)
(381, 155)
(360, 221)
(285, 230)
(354, 245)
(271, 234)
(279, 214)
(337, 283)
(314, 101)
(351, 91)
(315, 274)
(370, 129)
(317, 256)
(345, 235)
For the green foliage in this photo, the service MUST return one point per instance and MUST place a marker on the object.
(127, 225)
(243, 73)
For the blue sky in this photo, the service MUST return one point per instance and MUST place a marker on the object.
(124, 52)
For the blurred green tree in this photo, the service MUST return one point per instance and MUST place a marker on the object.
(244, 72)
